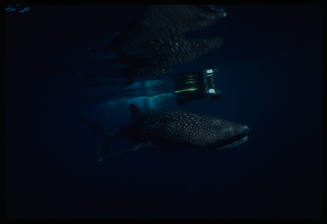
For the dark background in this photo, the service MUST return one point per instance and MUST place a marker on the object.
(270, 74)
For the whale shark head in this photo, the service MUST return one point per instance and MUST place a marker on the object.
(204, 132)
(228, 134)
(179, 128)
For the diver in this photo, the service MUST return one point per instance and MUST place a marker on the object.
(196, 85)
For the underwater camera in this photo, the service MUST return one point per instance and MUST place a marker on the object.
(196, 85)
(209, 81)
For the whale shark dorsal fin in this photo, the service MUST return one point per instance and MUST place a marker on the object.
(134, 111)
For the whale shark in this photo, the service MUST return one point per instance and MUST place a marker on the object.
(172, 130)
(156, 40)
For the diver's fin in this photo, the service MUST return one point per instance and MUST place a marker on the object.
(133, 110)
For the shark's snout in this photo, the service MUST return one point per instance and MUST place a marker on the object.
(244, 130)
(233, 134)
(238, 132)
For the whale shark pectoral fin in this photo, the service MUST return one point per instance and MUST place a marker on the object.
(107, 47)
(106, 146)
(134, 148)
(106, 135)
(96, 128)
(133, 110)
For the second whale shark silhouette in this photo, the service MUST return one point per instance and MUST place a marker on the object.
(158, 40)
(169, 130)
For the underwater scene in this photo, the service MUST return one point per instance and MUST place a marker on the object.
(139, 111)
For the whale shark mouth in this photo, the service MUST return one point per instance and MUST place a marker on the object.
(235, 141)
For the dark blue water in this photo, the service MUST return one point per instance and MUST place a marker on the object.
(270, 75)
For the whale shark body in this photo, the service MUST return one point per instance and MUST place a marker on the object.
(169, 130)
(179, 128)
(158, 40)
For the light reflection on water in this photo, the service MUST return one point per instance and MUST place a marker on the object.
(142, 102)
(147, 95)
